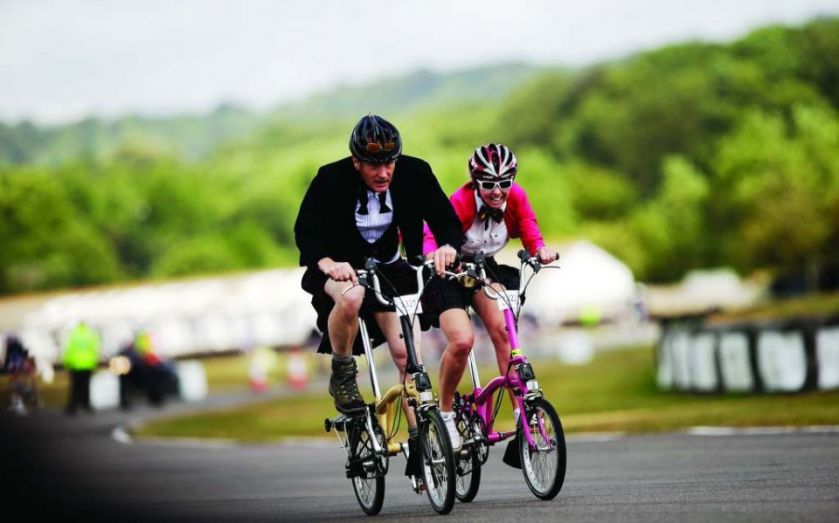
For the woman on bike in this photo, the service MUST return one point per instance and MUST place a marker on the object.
(492, 208)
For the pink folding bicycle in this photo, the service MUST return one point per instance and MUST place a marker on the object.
(539, 444)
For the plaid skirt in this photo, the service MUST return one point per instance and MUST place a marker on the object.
(444, 294)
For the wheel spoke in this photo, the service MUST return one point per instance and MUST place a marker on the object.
(369, 485)
(438, 465)
(543, 464)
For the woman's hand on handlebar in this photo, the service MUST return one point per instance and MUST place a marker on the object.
(338, 271)
(443, 257)
(546, 255)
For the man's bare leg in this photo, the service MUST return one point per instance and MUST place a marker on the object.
(343, 328)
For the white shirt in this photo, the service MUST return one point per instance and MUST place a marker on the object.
(488, 237)
(374, 224)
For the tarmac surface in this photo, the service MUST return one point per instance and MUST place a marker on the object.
(74, 468)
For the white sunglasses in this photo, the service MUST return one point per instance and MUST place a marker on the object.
(490, 186)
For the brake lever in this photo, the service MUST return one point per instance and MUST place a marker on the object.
(363, 281)
(370, 264)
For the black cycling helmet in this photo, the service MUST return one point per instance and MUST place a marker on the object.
(375, 140)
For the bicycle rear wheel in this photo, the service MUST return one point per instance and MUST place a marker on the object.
(543, 466)
(369, 481)
(438, 470)
(469, 460)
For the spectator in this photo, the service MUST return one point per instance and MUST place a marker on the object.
(81, 356)
(23, 383)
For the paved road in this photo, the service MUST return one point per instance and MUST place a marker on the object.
(59, 466)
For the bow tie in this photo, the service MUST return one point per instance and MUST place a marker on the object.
(362, 202)
(488, 212)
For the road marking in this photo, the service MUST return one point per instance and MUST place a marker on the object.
(193, 443)
(761, 431)
(121, 435)
(594, 437)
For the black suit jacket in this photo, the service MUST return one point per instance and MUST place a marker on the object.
(325, 224)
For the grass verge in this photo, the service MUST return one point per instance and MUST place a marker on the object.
(616, 392)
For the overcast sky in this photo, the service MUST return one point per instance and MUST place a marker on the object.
(62, 60)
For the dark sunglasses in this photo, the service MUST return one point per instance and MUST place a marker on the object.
(490, 186)
(376, 147)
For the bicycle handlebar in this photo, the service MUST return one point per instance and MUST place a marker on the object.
(371, 266)
(477, 269)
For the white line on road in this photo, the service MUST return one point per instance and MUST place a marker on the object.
(123, 436)
(763, 431)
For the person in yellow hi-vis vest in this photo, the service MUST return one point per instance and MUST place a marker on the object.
(81, 356)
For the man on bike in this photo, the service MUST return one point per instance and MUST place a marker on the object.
(363, 206)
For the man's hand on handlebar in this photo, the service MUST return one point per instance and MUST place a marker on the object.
(443, 257)
(338, 271)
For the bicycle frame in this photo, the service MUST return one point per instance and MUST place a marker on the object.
(522, 383)
(384, 403)
(417, 390)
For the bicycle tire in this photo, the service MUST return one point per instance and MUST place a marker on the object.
(544, 467)
(469, 464)
(369, 488)
(438, 469)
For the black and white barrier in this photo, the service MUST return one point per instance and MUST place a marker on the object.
(784, 357)
(104, 390)
(192, 380)
(192, 385)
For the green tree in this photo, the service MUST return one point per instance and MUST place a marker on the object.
(46, 244)
(667, 236)
(781, 183)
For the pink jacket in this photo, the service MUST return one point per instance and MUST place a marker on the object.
(518, 216)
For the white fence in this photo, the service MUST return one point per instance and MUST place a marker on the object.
(196, 316)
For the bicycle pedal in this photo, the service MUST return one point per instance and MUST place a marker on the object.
(417, 484)
(338, 423)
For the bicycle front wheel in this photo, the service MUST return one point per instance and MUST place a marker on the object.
(544, 465)
(438, 470)
(369, 481)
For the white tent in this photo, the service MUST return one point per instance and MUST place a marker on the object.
(589, 280)
(701, 291)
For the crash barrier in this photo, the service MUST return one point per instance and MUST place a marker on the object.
(104, 390)
(192, 380)
(191, 376)
(789, 356)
